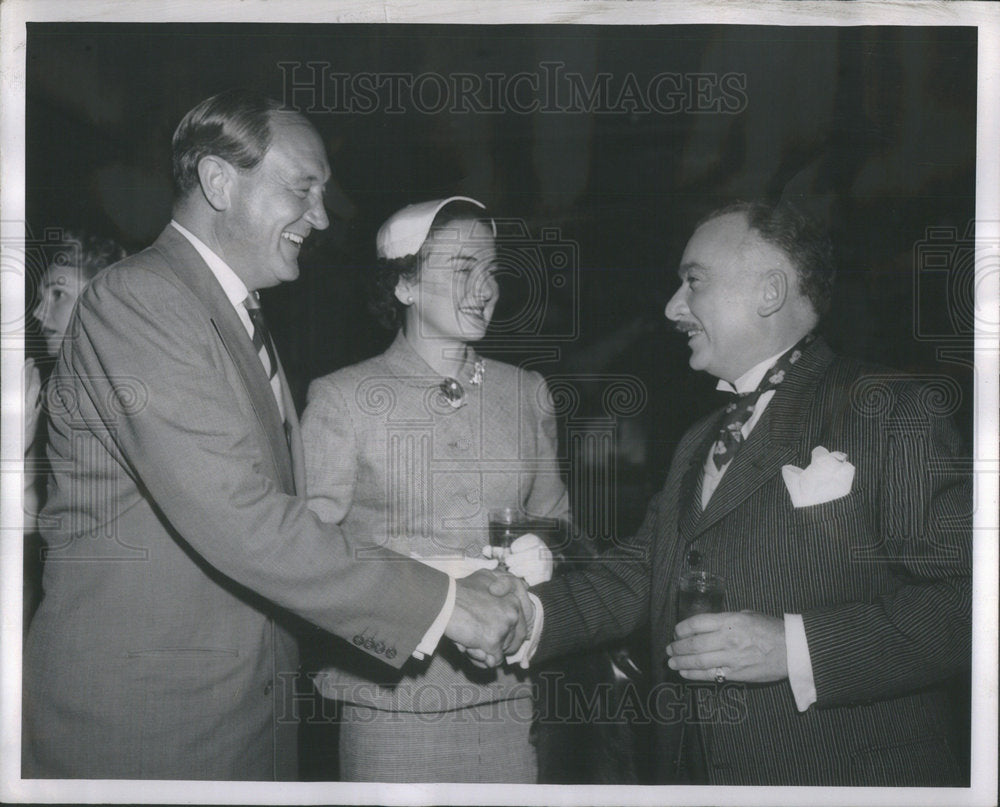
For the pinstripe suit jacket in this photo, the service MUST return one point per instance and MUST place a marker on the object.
(158, 650)
(881, 577)
(391, 462)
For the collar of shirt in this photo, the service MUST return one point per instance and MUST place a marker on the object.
(751, 379)
(236, 292)
(235, 289)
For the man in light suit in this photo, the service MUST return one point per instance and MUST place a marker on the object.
(833, 500)
(178, 551)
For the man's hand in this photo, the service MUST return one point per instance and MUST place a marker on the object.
(492, 616)
(745, 646)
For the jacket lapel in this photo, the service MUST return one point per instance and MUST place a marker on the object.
(773, 442)
(191, 269)
(689, 506)
(293, 434)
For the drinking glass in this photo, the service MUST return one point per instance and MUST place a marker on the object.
(700, 592)
(506, 524)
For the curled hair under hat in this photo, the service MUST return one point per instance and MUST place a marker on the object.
(382, 302)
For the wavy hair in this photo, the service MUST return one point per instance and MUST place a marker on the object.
(234, 125)
(803, 240)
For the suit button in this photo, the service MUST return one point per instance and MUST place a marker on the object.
(359, 640)
(268, 687)
(369, 643)
(380, 647)
(390, 653)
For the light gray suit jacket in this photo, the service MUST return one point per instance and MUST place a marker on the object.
(395, 465)
(177, 549)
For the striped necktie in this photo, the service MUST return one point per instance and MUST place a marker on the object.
(261, 335)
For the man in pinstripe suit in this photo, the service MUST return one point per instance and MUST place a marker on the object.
(837, 509)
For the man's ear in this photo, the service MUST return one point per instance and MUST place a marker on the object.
(215, 176)
(774, 292)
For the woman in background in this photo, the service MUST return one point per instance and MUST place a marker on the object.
(77, 261)
(410, 450)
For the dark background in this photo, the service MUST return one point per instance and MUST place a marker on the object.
(871, 128)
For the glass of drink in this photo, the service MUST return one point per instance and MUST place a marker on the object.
(700, 592)
(506, 524)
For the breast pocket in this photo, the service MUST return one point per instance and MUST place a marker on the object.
(849, 507)
(844, 530)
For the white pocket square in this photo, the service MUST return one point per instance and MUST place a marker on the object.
(828, 477)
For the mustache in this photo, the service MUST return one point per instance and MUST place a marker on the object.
(683, 326)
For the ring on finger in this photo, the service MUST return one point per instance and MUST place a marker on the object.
(720, 675)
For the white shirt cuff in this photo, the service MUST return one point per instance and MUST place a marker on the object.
(429, 643)
(800, 672)
(530, 645)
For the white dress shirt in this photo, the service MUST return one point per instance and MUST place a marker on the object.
(236, 292)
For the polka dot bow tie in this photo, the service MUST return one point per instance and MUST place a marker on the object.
(740, 410)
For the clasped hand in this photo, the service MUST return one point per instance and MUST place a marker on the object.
(492, 616)
(745, 646)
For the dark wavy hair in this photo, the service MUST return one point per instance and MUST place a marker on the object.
(803, 240)
(382, 302)
(90, 253)
(234, 125)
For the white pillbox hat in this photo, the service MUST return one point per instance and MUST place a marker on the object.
(406, 230)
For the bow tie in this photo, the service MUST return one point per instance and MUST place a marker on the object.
(742, 407)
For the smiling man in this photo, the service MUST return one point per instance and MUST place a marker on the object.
(177, 546)
(830, 496)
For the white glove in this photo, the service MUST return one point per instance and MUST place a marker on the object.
(457, 567)
(528, 558)
(527, 649)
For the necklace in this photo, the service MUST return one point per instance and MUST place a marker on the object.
(454, 392)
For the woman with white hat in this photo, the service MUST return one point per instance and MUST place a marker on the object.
(410, 450)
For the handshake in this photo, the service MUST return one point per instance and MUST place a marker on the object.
(493, 614)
